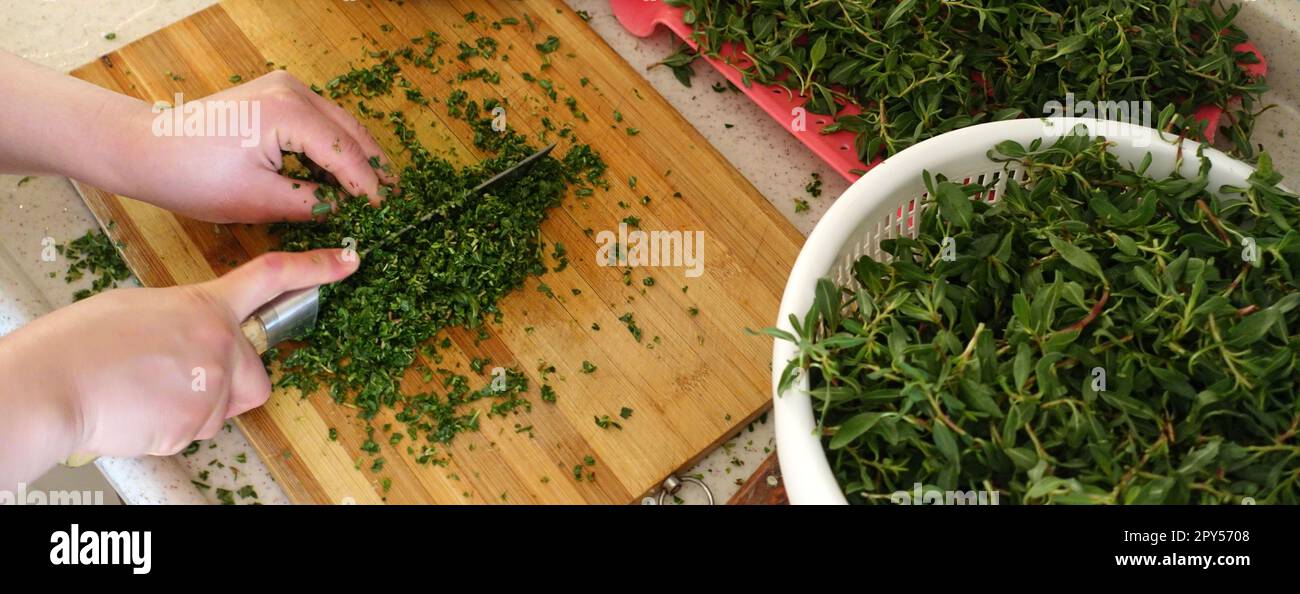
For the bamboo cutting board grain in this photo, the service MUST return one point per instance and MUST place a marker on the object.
(705, 378)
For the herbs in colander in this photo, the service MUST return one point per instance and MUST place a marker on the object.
(1092, 336)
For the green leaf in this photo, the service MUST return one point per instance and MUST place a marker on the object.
(1252, 328)
(826, 301)
(1023, 458)
(954, 204)
(1068, 46)
(817, 53)
(898, 13)
(981, 397)
(854, 428)
(1129, 405)
(1199, 458)
(1024, 364)
(945, 441)
(1147, 280)
(1077, 257)
(1046, 485)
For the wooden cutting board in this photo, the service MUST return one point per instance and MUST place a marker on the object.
(703, 379)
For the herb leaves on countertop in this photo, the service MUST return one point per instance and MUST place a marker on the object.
(94, 254)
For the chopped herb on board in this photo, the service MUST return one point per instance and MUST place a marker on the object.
(561, 257)
(376, 324)
(578, 469)
(551, 44)
(630, 321)
(604, 422)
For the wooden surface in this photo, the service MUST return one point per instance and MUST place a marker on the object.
(704, 379)
(764, 487)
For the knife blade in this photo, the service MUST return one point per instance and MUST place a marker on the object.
(508, 174)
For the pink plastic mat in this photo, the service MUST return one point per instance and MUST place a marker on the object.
(641, 17)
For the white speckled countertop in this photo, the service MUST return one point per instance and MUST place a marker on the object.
(66, 34)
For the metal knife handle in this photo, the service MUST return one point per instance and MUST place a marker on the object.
(284, 317)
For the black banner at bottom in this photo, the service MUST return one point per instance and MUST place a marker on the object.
(148, 543)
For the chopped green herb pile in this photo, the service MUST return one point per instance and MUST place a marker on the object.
(95, 254)
(1093, 336)
(450, 272)
(923, 67)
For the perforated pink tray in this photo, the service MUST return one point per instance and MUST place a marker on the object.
(641, 17)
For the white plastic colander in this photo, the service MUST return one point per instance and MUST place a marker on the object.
(883, 204)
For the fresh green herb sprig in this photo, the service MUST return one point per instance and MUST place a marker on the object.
(679, 62)
(1092, 336)
(920, 68)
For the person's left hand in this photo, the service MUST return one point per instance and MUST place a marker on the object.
(219, 179)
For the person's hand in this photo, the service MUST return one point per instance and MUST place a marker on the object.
(131, 372)
(234, 178)
(53, 123)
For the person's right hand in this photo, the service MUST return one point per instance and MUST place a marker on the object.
(147, 371)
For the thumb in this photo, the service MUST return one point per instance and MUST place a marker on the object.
(264, 278)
